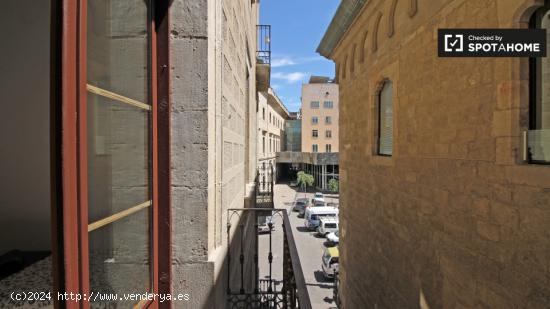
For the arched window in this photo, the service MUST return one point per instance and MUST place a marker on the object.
(538, 137)
(385, 119)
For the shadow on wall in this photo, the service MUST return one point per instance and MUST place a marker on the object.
(244, 226)
(24, 133)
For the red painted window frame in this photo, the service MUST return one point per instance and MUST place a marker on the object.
(70, 212)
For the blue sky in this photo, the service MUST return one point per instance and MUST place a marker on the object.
(297, 27)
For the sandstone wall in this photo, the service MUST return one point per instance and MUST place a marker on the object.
(454, 218)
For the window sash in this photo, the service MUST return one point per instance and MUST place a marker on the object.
(385, 120)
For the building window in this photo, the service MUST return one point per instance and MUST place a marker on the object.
(328, 104)
(314, 104)
(263, 145)
(328, 133)
(538, 136)
(328, 148)
(328, 120)
(385, 119)
(315, 133)
(263, 113)
(314, 148)
(314, 120)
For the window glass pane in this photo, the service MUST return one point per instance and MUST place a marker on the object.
(118, 124)
(119, 258)
(542, 108)
(385, 143)
(539, 136)
(314, 104)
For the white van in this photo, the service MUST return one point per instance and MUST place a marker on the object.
(314, 214)
(327, 225)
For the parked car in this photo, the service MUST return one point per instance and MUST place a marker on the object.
(264, 225)
(300, 204)
(333, 238)
(330, 262)
(314, 214)
(318, 199)
(318, 202)
(327, 225)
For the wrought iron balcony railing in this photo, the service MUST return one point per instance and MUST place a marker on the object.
(263, 51)
(245, 288)
(257, 283)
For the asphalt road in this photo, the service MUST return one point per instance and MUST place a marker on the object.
(310, 250)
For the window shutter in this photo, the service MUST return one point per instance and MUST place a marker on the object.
(385, 117)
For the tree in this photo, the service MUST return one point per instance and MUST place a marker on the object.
(304, 180)
(334, 185)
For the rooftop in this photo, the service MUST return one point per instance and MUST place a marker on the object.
(344, 16)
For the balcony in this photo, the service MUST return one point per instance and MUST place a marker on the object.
(258, 278)
(263, 57)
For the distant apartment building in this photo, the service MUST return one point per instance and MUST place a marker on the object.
(272, 116)
(317, 126)
(445, 181)
(319, 115)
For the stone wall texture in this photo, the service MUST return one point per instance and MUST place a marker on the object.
(454, 219)
(213, 146)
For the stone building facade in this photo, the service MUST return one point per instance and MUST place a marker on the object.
(214, 121)
(455, 217)
(143, 134)
(272, 116)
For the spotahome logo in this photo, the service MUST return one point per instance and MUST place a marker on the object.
(492, 42)
(454, 42)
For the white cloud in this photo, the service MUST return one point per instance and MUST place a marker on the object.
(285, 61)
(289, 77)
(282, 62)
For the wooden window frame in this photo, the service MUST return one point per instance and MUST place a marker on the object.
(68, 136)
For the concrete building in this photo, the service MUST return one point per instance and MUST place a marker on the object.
(319, 114)
(272, 116)
(318, 127)
(444, 189)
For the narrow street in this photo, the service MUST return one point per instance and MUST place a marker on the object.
(310, 249)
